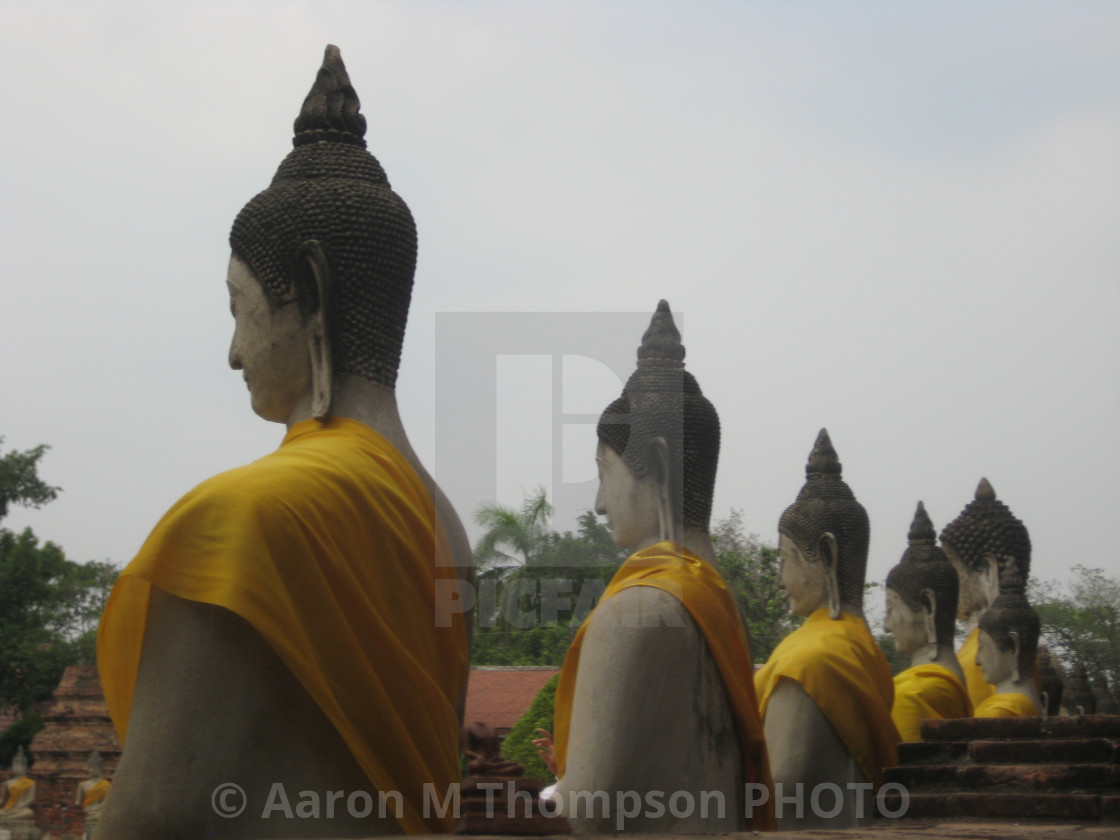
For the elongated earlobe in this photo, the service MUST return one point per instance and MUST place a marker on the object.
(929, 601)
(660, 469)
(313, 281)
(829, 554)
(1015, 673)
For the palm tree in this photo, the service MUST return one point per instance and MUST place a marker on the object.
(523, 533)
(511, 545)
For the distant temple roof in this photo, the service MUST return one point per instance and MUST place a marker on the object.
(500, 696)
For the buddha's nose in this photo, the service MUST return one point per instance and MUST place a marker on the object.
(234, 356)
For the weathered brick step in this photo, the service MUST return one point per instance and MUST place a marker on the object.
(1052, 777)
(1053, 751)
(1007, 805)
(1033, 751)
(931, 752)
(983, 729)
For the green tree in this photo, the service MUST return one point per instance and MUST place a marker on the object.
(518, 745)
(1080, 621)
(20, 482)
(536, 585)
(523, 532)
(49, 606)
(751, 569)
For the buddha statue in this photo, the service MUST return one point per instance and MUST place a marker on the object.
(18, 793)
(1103, 700)
(91, 793)
(921, 613)
(1006, 650)
(1050, 683)
(980, 543)
(283, 618)
(1078, 697)
(826, 692)
(655, 696)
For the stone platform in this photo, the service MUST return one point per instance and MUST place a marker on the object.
(884, 831)
(1013, 769)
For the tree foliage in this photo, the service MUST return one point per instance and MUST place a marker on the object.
(49, 606)
(536, 585)
(751, 569)
(518, 745)
(20, 482)
(1081, 620)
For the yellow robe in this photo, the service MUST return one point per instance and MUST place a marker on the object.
(16, 790)
(842, 669)
(1007, 704)
(95, 792)
(927, 692)
(703, 592)
(329, 547)
(979, 689)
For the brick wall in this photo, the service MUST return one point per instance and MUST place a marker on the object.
(76, 722)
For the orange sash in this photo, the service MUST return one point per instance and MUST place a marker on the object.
(16, 790)
(1007, 704)
(95, 792)
(925, 692)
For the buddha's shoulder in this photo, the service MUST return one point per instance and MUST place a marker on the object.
(302, 470)
(831, 645)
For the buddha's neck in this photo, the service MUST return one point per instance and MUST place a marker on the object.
(938, 654)
(1023, 684)
(699, 542)
(696, 540)
(852, 609)
(356, 398)
(845, 607)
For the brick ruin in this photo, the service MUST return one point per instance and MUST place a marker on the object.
(75, 723)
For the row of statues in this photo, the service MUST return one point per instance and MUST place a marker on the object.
(300, 620)
(17, 794)
(977, 575)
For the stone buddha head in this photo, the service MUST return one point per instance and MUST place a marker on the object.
(1008, 632)
(19, 764)
(1078, 697)
(1102, 695)
(922, 591)
(94, 766)
(822, 539)
(1050, 682)
(980, 543)
(323, 261)
(658, 447)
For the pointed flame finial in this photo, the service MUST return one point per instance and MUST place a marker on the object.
(823, 460)
(984, 491)
(661, 342)
(330, 111)
(921, 529)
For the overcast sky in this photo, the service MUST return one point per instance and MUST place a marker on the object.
(900, 221)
